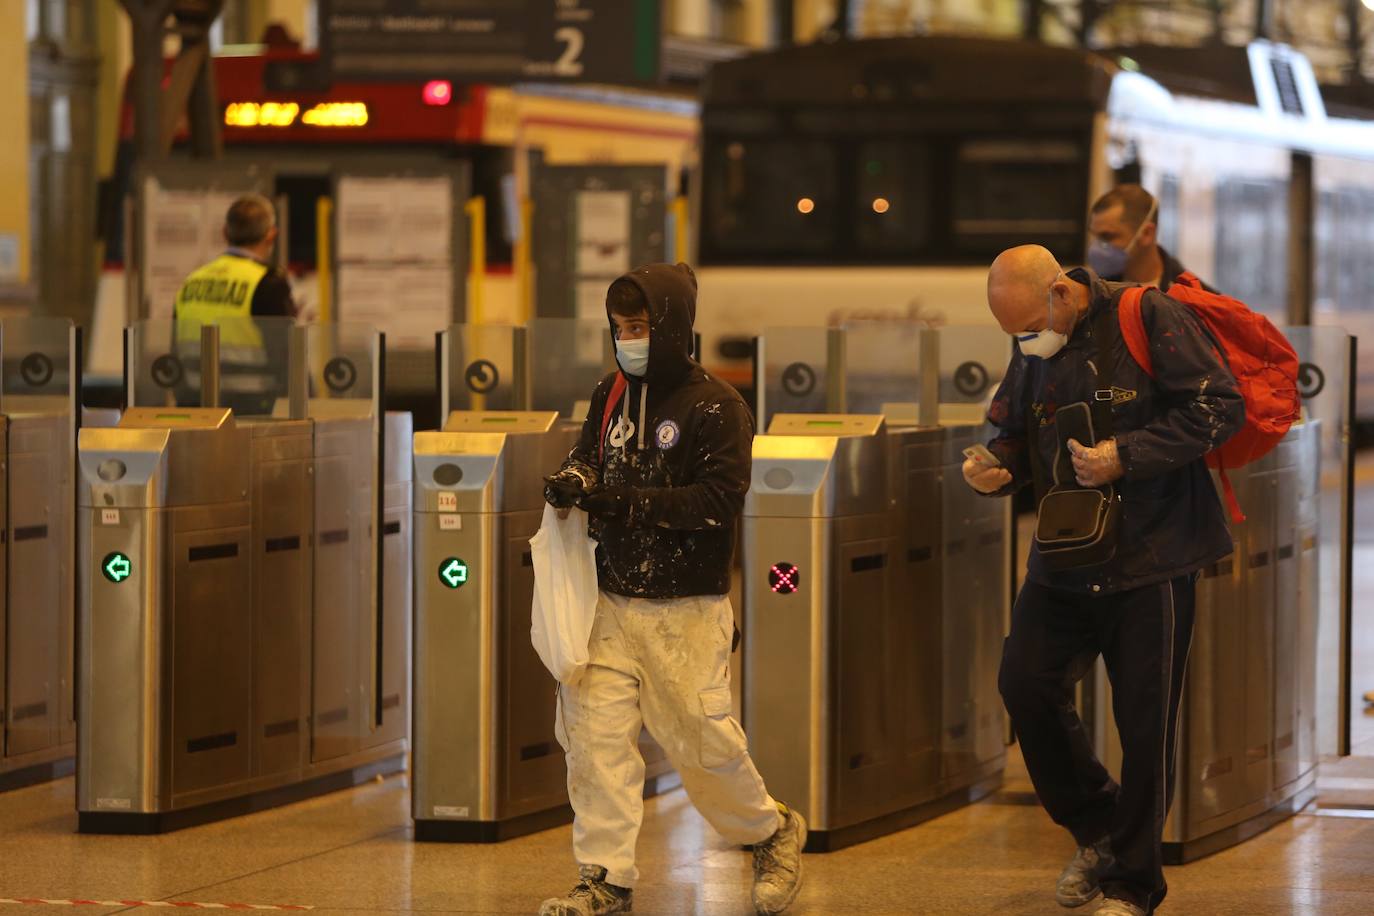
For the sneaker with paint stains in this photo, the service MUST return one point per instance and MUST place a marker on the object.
(592, 897)
(778, 865)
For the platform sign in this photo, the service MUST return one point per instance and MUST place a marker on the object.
(491, 41)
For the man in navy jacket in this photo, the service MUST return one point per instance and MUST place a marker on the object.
(1135, 609)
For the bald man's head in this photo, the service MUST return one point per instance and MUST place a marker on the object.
(1019, 283)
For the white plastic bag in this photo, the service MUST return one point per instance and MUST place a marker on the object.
(565, 593)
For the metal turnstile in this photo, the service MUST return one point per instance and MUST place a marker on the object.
(167, 659)
(487, 766)
(1247, 727)
(871, 645)
(245, 589)
(39, 391)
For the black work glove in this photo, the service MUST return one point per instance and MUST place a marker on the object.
(607, 502)
(563, 490)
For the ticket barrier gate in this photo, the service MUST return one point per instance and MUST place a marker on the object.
(39, 391)
(1247, 755)
(487, 766)
(247, 636)
(848, 564)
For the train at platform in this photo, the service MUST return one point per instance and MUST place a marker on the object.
(877, 179)
(873, 179)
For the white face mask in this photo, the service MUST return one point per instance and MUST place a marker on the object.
(633, 356)
(1042, 344)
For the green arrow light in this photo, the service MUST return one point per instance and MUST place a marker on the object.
(117, 567)
(453, 572)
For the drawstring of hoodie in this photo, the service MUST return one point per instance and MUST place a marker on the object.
(643, 411)
(625, 416)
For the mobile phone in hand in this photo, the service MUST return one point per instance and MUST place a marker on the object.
(981, 455)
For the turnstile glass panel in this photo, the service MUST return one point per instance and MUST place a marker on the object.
(254, 357)
(343, 364)
(568, 357)
(973, 361)
(254, 360)
(483, 368)
(1324, 382)
(882, 368)
(37, 363)
(795, 367)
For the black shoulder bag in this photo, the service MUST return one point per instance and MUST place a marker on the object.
(1076, 526)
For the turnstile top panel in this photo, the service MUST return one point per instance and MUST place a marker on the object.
(825, 424)
(500, 421)
(177, 418)
(269, 427)
(35, 405)
(820, 475)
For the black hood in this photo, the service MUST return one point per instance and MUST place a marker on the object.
(671, 291)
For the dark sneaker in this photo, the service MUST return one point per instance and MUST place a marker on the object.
(777, 865)
(1114, 907)
(1078, 884)
(592, 897)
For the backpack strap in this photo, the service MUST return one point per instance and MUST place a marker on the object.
(1133, 328)
(1101, 407)
(617, 389)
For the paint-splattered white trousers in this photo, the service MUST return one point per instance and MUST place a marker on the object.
(663, 665)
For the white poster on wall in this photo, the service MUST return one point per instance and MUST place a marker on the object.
(424, 218)
(367, 219)
(409, 303)
(603, 232)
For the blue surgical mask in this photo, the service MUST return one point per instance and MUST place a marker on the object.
(633, 356)
(1109, 261)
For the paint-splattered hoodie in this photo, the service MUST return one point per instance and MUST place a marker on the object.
(686, 463)
(1172, 521)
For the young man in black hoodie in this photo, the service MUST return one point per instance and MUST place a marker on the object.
(661, 467)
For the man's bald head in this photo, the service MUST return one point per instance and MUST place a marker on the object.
(1018, 284)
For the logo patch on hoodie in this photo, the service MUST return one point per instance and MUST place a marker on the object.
(667, 434)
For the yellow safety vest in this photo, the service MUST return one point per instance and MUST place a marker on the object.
(221, 293)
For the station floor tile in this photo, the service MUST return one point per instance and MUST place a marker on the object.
(351, 852)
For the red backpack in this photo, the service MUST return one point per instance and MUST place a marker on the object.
(1261, 358)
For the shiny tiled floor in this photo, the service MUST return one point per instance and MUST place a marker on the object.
(351, 852)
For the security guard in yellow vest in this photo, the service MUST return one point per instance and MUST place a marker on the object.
(232, 290)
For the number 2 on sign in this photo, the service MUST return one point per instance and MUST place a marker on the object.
(570, 64)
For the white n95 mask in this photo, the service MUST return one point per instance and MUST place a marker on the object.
(633, 356)
(1042, 344)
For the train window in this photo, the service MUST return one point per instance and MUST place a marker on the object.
(1170, 216)
(1252, 242)
(1011, 191)
(1345, 236)
(892, 207)
(773, 196)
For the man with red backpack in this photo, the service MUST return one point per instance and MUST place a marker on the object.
(1076, 413)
